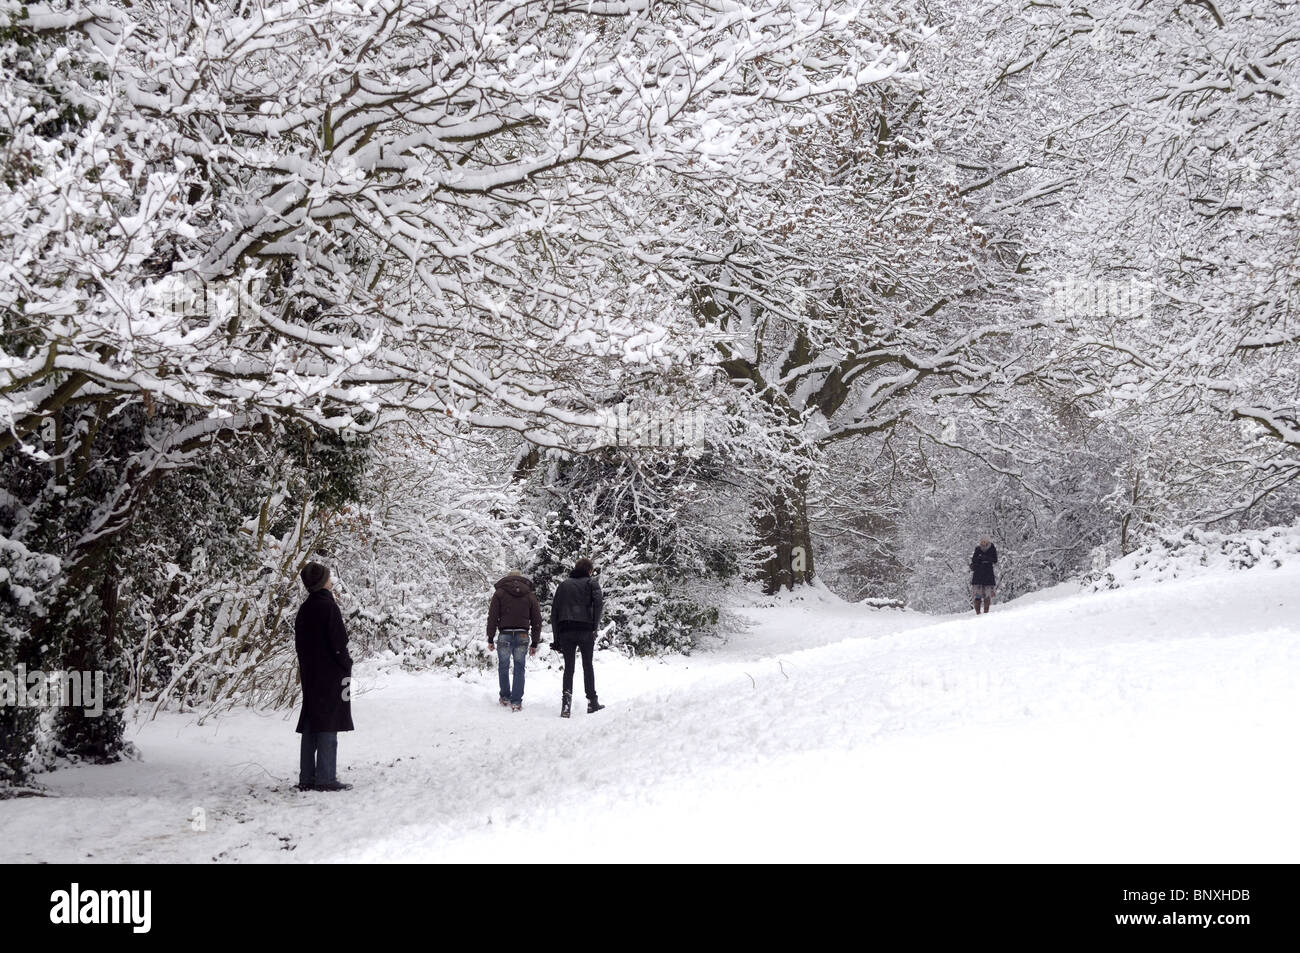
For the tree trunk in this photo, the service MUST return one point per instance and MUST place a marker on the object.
(90, 629)
(784, 534)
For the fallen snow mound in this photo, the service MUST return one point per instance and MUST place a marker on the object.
(1196, 552)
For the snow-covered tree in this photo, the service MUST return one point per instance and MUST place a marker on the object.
(1165, 245)
(860, 294)
(225, 219)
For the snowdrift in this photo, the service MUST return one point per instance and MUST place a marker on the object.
(1196, 552)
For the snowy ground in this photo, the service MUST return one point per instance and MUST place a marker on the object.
(1154, 723)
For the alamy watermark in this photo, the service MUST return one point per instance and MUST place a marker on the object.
(1082, 298)
(644, 425)
(187, 295)
(1134, 300)
(79, 905)
(21, 688)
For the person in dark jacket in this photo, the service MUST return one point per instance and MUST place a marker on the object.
(514, 610)
(983, 584)
(575, 616)
(326, 669)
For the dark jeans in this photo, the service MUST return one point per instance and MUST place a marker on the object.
(570, 643)
(512, 645)
(319, 761)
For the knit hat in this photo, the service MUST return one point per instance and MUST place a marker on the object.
(314, 576)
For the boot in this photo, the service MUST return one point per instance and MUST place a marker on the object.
(987, 602)
(594, 706)
(977, 607)
(566, 705)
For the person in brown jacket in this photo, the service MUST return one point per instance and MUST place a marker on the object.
(513, 611)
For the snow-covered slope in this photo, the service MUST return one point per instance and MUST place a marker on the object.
(1150, 723)
(1197, 552)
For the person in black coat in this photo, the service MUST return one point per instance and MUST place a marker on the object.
(575, 616)
(983, 584)
(326, 668)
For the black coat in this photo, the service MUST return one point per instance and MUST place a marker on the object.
(324, 663)
(981, 566)
(577, 604)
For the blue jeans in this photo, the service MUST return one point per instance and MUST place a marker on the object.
(508, 644)
(318, 763)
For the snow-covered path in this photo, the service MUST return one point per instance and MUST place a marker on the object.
(1154, 723)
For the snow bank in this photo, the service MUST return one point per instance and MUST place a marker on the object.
(1194, 552)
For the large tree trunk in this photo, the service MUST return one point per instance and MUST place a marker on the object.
(91, 646)
(784, 533)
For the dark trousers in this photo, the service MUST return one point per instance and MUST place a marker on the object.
(570, 643)
(318, 763)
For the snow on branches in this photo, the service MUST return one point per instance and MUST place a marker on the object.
(370, 209)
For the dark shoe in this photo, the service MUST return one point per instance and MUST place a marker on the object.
(306, 787)
(593, 707)
(504, 702)
(333, 786)
(566, 706)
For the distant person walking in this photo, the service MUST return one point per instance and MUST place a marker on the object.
(326, 668)
(575, 617)
(983, 584)
(514, 610)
